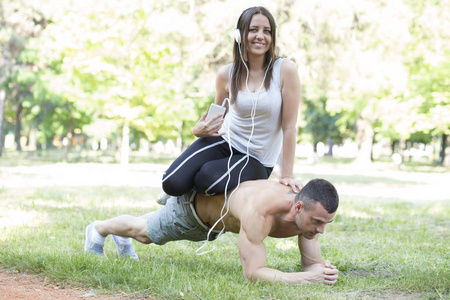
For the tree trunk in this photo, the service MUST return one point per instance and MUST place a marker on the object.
(4, 63)
(441, 158)
(17, 133)
(32, 143)
(2, 121)
(125, 146)
(364, 139)
(330, 147)
(68, 138)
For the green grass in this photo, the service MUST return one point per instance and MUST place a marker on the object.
(390, 238)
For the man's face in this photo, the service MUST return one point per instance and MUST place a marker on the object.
(313, 221)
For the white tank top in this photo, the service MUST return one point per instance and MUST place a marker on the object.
(265, 144)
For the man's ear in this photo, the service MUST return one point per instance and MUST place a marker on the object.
(299, 207)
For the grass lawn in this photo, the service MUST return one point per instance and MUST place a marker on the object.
(390, 238)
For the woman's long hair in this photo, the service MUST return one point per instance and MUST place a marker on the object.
(239, 71)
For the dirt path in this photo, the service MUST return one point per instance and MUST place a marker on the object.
(21, 286)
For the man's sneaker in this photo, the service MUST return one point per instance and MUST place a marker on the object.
(90, 245)
(124, 250)
(162, 198)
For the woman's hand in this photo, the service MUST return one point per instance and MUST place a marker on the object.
(295, 185)
(207, 128)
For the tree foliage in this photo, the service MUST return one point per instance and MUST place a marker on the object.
(146, 69)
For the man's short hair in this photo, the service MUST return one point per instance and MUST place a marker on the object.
(319, 191)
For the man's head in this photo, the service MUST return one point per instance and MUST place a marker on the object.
(316, 205)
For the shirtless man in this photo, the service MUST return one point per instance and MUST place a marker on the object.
(257, 209)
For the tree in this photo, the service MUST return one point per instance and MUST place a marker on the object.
(21, 22)
(321, 124)
(364, 65)
(429, 69)
(4, 65)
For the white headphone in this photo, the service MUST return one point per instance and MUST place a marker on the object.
(237, 31)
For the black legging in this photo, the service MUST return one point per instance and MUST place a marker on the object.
(204, 166)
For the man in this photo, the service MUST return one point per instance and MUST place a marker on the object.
(257, 209)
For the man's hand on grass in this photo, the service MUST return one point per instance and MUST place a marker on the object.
(324, 272)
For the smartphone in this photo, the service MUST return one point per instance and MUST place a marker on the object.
(214, 111)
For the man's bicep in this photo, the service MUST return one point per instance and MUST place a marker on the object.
(310, 251)
(252, 253)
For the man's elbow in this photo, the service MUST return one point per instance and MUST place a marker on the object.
(262, 275)
(251, 275)
(248, 276)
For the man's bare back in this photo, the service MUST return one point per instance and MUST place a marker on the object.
(268, 199)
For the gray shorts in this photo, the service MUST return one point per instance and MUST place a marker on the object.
(178, 220)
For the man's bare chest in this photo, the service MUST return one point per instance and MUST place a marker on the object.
(284, 231)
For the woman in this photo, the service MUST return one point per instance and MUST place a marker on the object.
(264, 94)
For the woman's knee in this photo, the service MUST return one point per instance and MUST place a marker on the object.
(256, 170)
(175, 187)
(207, 179)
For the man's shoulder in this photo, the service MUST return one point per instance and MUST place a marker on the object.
(265, 189)
(262, 212)
(264, 198)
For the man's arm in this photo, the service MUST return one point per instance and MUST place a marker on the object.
(309, 251)
(311, 259)
(252, 252)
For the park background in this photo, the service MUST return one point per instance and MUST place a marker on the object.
(125, 75)
(98, 97)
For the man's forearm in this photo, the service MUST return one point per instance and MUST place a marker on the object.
(318, 273)
(272, 275)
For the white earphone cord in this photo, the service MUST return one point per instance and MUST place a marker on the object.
(227, 202)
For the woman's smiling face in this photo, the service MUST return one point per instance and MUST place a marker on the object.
(259, 35)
